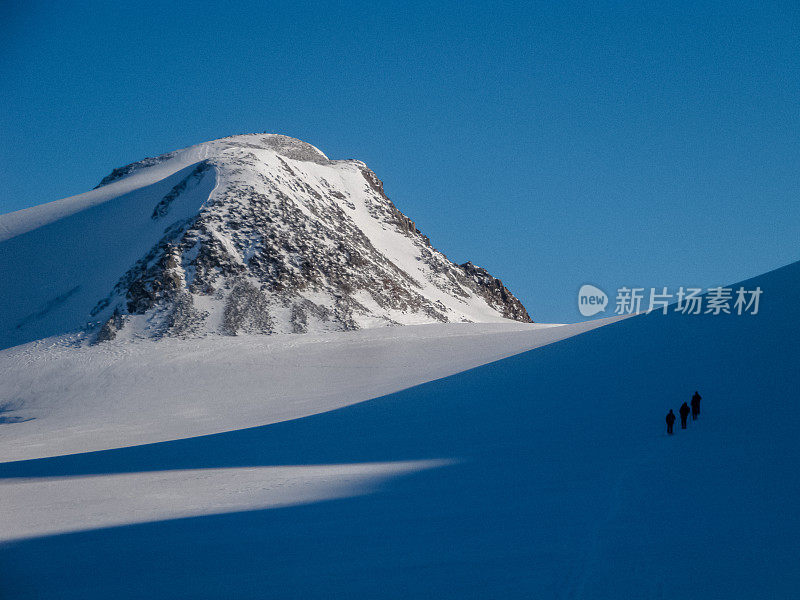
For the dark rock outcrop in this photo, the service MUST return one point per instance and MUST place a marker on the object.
(496, 294)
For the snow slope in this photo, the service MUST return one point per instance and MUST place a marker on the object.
(543, 475)
(22, 221)
(63, 399)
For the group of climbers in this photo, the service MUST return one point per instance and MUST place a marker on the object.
(684, 411)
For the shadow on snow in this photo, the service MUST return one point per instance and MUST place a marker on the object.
(566, 485)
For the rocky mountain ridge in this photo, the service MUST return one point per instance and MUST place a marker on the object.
(264, 234)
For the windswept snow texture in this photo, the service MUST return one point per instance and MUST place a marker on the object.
(247, 234)
(544, 475)
(68, 399)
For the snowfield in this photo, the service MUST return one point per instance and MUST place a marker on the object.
(545, 474)
(64, 398)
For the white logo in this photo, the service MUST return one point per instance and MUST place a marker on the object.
(591, 300)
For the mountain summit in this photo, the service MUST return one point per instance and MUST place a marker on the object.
(247, 234)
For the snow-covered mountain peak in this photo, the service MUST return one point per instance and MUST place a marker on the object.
(281, 145)
(253, 233)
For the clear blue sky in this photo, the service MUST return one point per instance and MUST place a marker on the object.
(555, 144)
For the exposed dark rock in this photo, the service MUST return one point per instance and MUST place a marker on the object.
(497, 294)
(121, 172)
(302, 310)
(246, 310)
(150, 285)
(194, 177)
(182, 319)
(109, 329)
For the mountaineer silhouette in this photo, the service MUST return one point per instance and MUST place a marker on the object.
(670, 421)
(684, 410)
(696, 405)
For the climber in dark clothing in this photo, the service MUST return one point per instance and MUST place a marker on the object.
(696, 405)
(670, 421)
(684, 410)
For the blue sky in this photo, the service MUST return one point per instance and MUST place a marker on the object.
(556, 144)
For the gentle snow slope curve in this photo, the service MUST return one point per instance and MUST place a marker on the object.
(58, 399)
(544, 475)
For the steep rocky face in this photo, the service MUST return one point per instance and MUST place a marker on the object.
(496, 294)
(289, 241)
